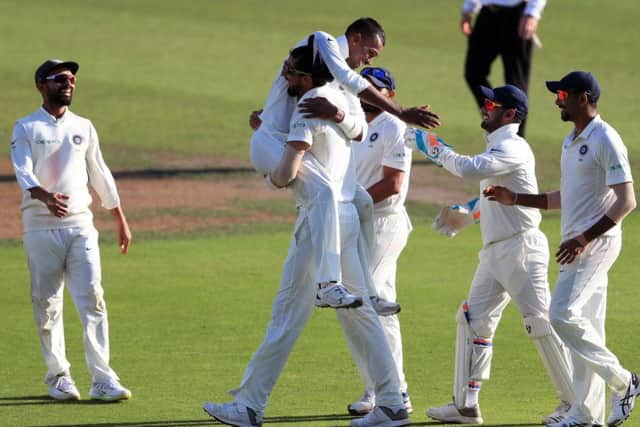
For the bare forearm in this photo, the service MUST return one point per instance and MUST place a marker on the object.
(382, 190)
(374, 97)
(288, 167)
(539, 201)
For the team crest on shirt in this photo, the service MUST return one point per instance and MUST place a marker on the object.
(373, 136)
(583, 150)
(77, 139)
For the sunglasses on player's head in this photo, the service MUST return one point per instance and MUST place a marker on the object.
(288, 69)
(62, 78)
(491, 105)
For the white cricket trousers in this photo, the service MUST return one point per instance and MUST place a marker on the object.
(391, 233)
(516, 269)
(292, 307)
(71, 256)
(578, 312)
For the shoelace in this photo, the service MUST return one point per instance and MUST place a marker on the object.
(64, 384)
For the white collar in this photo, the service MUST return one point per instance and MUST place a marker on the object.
(503, 132)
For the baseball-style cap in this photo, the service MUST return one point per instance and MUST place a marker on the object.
(380, 77)
(45, 68)
(508, 96)
(577, 81)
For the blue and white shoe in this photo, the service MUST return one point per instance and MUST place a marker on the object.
(233, 414)
(622, 404)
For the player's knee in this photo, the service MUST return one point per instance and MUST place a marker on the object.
(47, 310)
(92, 303)
(478, 327)
(537, 327)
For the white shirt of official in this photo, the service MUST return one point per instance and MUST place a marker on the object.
(384, 146)
(509, 162)
(590, 164)
(62, 156)
(533, 8)
(330, 148)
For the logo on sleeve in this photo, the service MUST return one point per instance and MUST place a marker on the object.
(496, 150)
(583, 150)
(615, 167)
(297, 125)
(13, 144)
(77, 139)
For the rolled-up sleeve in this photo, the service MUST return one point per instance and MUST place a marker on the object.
(22, 159)
(100, 176)
(329, 50)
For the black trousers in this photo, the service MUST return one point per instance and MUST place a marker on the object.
(496, 33)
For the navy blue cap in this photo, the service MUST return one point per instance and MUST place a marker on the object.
(380, 77)
(50, 64)
(508, 96)
(577, 81)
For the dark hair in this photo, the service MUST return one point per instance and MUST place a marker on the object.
(305, 61)
(368, 27)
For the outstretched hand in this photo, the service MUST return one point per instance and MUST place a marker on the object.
(497, 193)
(320, 108)
(420, 116)
(254, 119)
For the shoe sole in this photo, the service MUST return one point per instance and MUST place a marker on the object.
(457, 420)
(383, 314)
(70, 398)
(126, 396)
(356, 412)
(224, 421)
(355, 304)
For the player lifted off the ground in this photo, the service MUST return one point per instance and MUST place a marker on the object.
(55, 155)
(383, 164)
(513, 260)
(331, 149)
(363, 41)
(596, 194)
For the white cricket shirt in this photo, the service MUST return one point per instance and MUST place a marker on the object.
(384, 146)
(330, 149)
(533, 8)
(509, 162)
(62, 156)
(279, 106)
(590, 164)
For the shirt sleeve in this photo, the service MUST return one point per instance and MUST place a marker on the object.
(396, 155)
(612, 157)
(22, 159)
(493, 162)
(100, 176)
(470, 7)
(329, 51)
(300, 128)
(534, 8)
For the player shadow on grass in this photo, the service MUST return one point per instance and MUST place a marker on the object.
(46, 400)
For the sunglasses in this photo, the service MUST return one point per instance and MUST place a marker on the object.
(491, 105)
(288, 69)
(62, 78)
(562, 95)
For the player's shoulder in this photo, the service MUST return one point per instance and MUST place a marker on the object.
(31, 118)
(603, 130)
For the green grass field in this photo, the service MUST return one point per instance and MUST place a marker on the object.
(168, 80)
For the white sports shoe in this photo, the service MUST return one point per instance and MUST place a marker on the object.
(109, 391)
(336, 296)
(233, 414)
(364, 405)
(63, 388)
(570, 422)
(384, 307)
(622, 404)
(451, 414)
(558, 414)
(382, 416)
(407, 402)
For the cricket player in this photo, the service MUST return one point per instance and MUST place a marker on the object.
(363, 41)
(513, 260)
(596, 194)
(331, 149)
(55, 154)
(383, 165)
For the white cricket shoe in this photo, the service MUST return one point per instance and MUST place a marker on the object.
(335, 295)
(233, 414)
(109, 391)
(382, 416)
(558, 414)
(622, 403)
(364, 405)
(571, 422)
(451, 414)
(384, 307)
(63, 388)
(407, 402)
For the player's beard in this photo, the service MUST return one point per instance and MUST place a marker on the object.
(57, 97)
(564, 115)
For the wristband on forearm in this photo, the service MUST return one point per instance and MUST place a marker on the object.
(599, 228)
(540, 201)
(348, 125)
